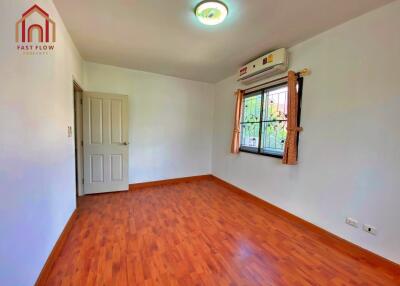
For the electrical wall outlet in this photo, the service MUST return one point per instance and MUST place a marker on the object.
(351, 221)
(369, 228)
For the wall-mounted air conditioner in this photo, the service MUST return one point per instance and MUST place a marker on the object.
(271, 64)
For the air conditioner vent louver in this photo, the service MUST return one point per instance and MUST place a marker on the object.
(256, 73)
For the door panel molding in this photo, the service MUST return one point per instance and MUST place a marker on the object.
(105, 129)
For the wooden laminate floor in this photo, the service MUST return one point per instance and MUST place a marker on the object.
(198, 233)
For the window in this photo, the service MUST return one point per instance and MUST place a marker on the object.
(264, 120)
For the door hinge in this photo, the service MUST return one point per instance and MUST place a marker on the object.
(81, 143)
(81, 101)
(83, 181)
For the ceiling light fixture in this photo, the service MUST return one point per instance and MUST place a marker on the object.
(211, 12)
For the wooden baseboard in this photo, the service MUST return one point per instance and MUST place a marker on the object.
(46, 270)
(327, 237)
(138, 186)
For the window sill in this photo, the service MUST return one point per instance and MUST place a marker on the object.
(262, 154)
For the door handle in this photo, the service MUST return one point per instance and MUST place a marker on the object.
(125, 143)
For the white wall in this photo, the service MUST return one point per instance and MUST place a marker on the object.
(170, 121)
(37, 179)
(349, 151)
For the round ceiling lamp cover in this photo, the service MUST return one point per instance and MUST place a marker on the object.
(211, 12)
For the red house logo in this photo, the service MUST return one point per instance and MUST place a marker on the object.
(35, 25)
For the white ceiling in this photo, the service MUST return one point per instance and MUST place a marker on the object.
(163, 36)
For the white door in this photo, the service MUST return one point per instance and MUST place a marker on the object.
(105, 142)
